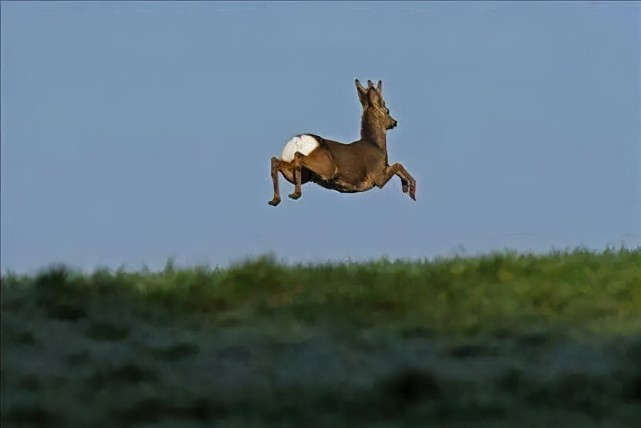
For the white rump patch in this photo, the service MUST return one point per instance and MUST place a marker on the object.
(305, 144)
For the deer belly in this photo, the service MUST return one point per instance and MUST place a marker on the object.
(305, 144)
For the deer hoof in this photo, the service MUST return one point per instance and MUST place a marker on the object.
(274, 202)
(295, 195)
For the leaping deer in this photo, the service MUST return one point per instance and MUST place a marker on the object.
(346, 168)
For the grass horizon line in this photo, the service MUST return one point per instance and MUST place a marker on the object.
(272, 256)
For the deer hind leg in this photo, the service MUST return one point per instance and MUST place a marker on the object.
(318, 162)
(275, 170)
(406, 179)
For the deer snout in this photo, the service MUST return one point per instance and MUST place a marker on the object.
(394, 124)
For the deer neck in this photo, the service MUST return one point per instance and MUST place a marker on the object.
(374, 130)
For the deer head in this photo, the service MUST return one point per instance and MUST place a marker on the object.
(374, 105)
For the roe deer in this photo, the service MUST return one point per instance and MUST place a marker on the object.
(346, 168)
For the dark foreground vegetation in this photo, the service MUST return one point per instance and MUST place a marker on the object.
(504, 340)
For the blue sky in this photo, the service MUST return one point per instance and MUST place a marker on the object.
(137, 131)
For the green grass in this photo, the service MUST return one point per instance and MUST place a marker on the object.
(505, 339)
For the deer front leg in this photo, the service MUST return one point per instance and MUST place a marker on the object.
(406, 178)
(405, 185)
(275, 169)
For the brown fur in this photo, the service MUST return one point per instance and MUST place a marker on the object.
(348, 168)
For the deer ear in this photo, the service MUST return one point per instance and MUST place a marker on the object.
(362, 93)
(380, 87)
(373, 97)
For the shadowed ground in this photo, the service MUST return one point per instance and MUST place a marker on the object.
(498, 341)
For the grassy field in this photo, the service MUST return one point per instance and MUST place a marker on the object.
(503, 340)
